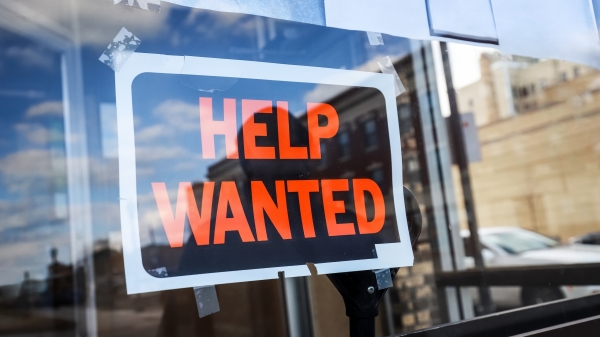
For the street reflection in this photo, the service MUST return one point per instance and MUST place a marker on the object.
(38, 283)
(538, 127)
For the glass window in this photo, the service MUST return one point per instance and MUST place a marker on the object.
(500, 154)
(517, 242)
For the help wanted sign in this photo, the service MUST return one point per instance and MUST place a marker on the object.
(232, 171)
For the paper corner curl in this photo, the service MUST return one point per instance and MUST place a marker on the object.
(375, 39)
(120, 49)
(149, 5)
(387, 67)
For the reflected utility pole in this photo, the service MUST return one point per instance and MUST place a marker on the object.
(458, 143)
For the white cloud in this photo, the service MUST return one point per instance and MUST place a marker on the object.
(152, 133)
(21, 213)
(107, 213)
(34, 133)
(151, 218)
(144, 171)
(22, 168)
(31, 56)
(179, 114)
(147, 154)
(34, 94)
(49, 108)
(104, 172)
(185, 166)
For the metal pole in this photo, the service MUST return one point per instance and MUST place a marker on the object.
(458, 144)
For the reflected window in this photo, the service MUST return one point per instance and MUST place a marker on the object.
(344, 144)
(370, 129)
(564, 77)
(413, 165)
(377, 176)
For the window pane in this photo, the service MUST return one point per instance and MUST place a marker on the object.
(532, 144)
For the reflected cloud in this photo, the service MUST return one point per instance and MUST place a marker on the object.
(185, 166)
(31, 56)
(36, 134)
(155, 153)
(49, 108)
(145, 171)
(152, 133)
(20, 169)
(19, 214)
(179, 114)
(33, 94)
(104, 172)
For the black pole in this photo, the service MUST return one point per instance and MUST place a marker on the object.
(359, 288)
(284, 303)
(362, 327)
(458, 144)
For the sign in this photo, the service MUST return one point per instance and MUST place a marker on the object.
(228, 171)
(560, 29)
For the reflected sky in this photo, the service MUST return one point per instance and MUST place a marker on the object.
(206, 33)
(32, 173)
(33, 199)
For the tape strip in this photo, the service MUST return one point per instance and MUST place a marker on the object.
(149, 5)
(206, 300)
(375, 39)
(159, 272)
(387, 67)
(384, 278)
(118, 52)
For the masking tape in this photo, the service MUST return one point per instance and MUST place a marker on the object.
(206, 300)
(387, 67)
(120, 49)
(375, 39)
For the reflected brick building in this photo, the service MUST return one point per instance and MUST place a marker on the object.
(540, 148)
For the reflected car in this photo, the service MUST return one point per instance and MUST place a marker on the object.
(512, 247)
(587, 239)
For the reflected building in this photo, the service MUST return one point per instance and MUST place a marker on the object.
(539, 129)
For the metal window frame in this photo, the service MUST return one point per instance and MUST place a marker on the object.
(442, 215)
(535, 320)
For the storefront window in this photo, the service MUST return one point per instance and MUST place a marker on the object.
(218, 119)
